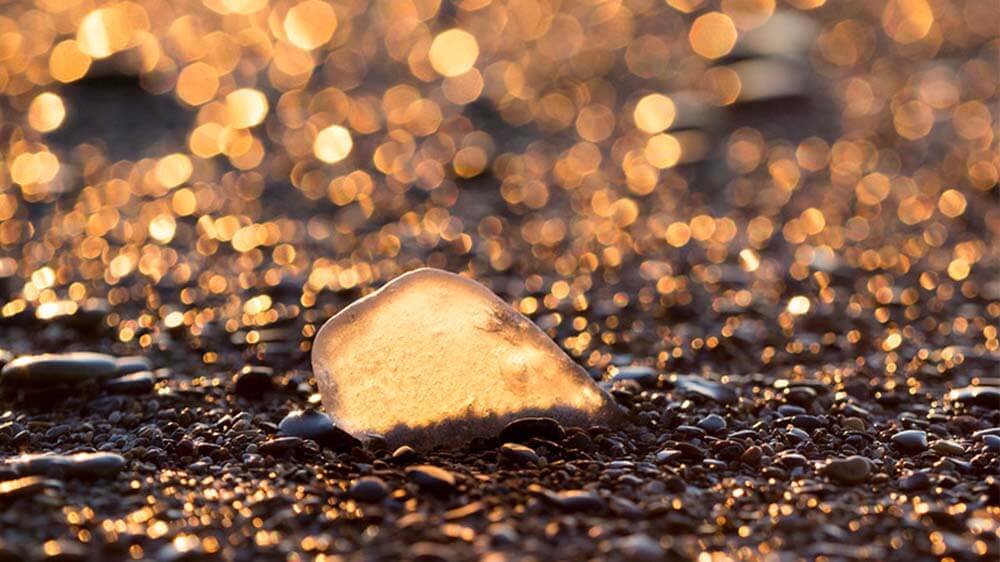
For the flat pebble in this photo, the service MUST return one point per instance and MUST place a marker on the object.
(519, 454)
(50, 369)
(315, 425)
(432, 479)
(133, 383)
(910, 441)
(369, 489)
(525, 429)
(852, 470)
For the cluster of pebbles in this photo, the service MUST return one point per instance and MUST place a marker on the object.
(242, 466)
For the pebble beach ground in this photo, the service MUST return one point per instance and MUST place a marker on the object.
(767, 229)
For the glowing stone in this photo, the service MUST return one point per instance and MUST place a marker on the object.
(433, 358)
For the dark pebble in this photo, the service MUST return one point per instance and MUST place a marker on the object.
(315, 425)
(370, 489)
(915, 481)
(132, 364)
(519, 454)
(405, 455)
(910, 441)
(132, 383)
(38, 371)
(646, 377)
(693, 384)
(578, 500)
(525, 429)
(852, 470)
(992, 443)
(712, 423)
(432, 479)
(253, 381)
(280, 445)
(640, 548)
(983, 396)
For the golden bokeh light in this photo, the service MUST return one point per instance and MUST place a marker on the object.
(333, 144)
(68, 61)
(246, 108)
(46, 112)
(713, 35)
(197, 83)
(654, 113)
(310, 24)
(453, 52)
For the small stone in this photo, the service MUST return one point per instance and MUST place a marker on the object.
(311, 424)
(370, 489)
(519, 454)
(133, 383)
(910, 441)
(526, 429)
(579, 500)
(404, 455)
(712, 423)
(640, 548)
(948, 447)
(917, 481)
(752, 456)
(992, 443)
(97, 465)
(854, 424)
(253, 381)
(646, 377)
(133, 364)
(852, 470)
(432, 479)
(280, 445)
(983, 396)
(694, 384)
(49, 369)
(800, 395)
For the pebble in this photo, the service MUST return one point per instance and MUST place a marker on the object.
(280, 445)
(524, 429)
(80, 465)
(315, 425)
(948, 447)
(693, 384)
(854, 424)
(432, 479)
(800, 395)
(983, 396)
(917, 481)
(50, 369)
(253, 381)
(578, 500)
(640, 548)
(139, 382)
(370, 489)
(133, 364)
(992, 443)
(404, 455)
(646, 377)
(852, 470)
(910, 441)
(712, 423)
(519, 454)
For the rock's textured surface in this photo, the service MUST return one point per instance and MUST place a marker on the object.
(433, 358)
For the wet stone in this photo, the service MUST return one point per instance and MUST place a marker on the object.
(852, 470)
(404, 455)
(280, 445)
(253, 381)
(432, 479)
(317, 426)
(640, 548)
(526, 429)
(711, 390)
(646, 377)
(916, 481)
(49, 369)
(519, 454)
(79, 465)
(370, 489)
(948, 447)
(992, 443)
(982, 396)
(712, 423)
(578, 500)
(910, 441)
(134, 383)
(133, 364)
